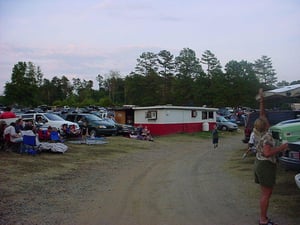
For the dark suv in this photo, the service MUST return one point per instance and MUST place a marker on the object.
(96, 126)
(122, 129)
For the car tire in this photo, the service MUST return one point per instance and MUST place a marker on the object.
(224, 128)
(92, 133)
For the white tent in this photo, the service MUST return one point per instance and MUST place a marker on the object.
(287, 91)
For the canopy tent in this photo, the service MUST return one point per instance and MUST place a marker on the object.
(287, 91)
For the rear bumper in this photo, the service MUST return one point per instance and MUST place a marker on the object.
(290, 163)
(106, 132)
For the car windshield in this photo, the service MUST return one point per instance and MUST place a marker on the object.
(222, 119)
(288, 122)
(92, 117)
(53, 117)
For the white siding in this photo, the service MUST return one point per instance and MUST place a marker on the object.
(169, 115)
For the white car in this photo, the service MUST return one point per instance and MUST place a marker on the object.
(45, 120)
(224, 124)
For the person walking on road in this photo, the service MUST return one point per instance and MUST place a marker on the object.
(215, 137)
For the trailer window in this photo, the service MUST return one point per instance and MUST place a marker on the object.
(194, 113)
(207, 115)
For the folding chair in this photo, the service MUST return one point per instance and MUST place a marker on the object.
(43, 135)
(8, 144)
(54, 136)
(29, 145)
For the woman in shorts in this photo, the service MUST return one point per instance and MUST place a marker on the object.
(265, 165)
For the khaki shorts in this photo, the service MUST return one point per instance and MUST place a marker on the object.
(265, 173)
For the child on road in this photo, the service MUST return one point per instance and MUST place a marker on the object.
(215, 137)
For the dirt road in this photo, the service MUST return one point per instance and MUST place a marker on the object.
(181, 182)
(178, 183)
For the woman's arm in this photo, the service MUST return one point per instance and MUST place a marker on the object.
(268, 150)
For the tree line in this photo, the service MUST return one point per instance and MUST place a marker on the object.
(157, 79)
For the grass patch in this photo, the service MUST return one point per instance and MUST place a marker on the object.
(286, 195)
(186, 137)
(17, 169)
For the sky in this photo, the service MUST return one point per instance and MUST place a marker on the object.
(81, 39)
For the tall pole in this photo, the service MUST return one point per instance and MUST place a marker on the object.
(262, 111)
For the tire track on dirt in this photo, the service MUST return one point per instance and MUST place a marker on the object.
(178, 183)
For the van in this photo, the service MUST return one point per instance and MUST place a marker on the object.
(45, 120)
(96, 126)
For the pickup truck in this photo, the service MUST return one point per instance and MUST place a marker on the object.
(274, 117)
(288, 131)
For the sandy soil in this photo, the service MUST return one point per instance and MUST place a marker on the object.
(174, 183)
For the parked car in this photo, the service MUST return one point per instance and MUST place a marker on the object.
(241, 120)
(288, 122)
(274, 117)
(45, 120)
(286, 132)
(231, 118)
(96, 126)
(224, 124)
(223, 112)
(123, 129)
(290, 159)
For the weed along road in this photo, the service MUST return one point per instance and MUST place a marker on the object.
(175, 180)
(180, 182)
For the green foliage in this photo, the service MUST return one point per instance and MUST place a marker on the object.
(23, 87)
(105, 102)
(147, 63)
(157, 79)
(242, 82)
(265, 72)
(167, 67)
(212, 63)
(295, 82)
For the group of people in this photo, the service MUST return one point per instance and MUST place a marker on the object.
(142, 133)
(49, 134)
(13, 137)
(12, 134)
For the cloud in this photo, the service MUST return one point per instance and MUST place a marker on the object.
(87, 38)
(72, 61)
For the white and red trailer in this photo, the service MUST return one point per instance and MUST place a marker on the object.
(167, 119)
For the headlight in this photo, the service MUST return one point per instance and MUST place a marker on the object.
(102, 126)
(287, 134)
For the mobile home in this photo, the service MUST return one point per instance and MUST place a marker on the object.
(165, 119)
